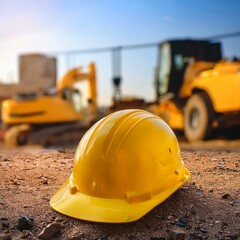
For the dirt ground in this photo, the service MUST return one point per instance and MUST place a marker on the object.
(207, 207)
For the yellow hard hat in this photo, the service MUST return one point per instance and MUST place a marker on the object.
(124, 166)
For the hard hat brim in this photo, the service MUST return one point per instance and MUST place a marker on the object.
(85, 207)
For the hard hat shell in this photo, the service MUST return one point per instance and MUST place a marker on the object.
(125, 165)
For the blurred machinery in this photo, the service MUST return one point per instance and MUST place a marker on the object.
(39, 116)
(37, 73)
(196, 89)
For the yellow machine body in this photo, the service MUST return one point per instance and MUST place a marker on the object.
(65, 106)
(222, 84)
(43, 109)
(171, 114)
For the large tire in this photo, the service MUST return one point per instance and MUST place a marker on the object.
(198, 117)
(16, 135)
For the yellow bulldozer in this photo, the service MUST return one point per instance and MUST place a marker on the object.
(39, 116)
(196, 89)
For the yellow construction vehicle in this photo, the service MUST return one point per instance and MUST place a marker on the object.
(196, 89)
(40, 115)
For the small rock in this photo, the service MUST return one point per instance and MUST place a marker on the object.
(226, 196)
(51, 230)
(180, 223)
(16, 182)
(177, 235)
(46, 198)
(45, 181)
(58, 219)
(61, 150)
(6, 160)
(24, 223)
(217, 222)
(237, 201)
(199, 187)
(203, 230)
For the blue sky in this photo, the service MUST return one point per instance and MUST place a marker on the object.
(52, 25)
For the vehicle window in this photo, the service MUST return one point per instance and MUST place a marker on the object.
(178, 62)
(165, 65)
(77, 101)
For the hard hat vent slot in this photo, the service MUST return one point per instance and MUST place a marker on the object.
(94, 187)
(72, 187)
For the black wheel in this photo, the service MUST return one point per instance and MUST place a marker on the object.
(198, 117)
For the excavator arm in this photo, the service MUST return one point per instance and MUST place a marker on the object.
(76, 75)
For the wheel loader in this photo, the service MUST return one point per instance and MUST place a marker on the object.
(38, 117)
(197, 90)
